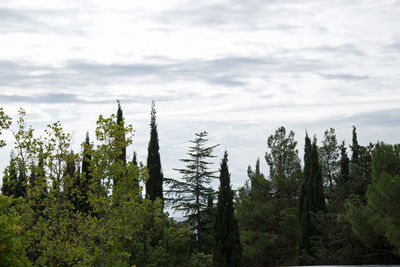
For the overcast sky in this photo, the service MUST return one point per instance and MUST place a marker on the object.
(237, 69)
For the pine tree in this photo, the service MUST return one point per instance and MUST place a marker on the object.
(329, 155)
(154, 185)
(311, 201)
(192, 194)
(227, 246)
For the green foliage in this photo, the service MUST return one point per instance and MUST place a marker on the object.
(5, 122)
(154, 185)
(191, 195)
(267, 209)
(227, 249)
(328, 156)
(201, 260)
(284, 164)
(12, 248)
(379, 217)
(312, 201)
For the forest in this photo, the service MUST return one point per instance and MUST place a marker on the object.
(339, 205)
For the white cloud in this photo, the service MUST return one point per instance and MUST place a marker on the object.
(238, 69)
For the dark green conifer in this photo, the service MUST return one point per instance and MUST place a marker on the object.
(311, 201)
(355, 148)
(154, 185)
(192, 195)
(227, 246)
(342, 182)
(85, 177)
(10, 178)
(134, 159)
(120, 122)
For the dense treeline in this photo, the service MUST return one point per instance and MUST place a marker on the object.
(62, 208)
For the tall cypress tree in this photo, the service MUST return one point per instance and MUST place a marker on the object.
(85, 177)
(154, 185)
(311, 201)
(355, 147)
(120, 122)
(342, 182)
(227, 246)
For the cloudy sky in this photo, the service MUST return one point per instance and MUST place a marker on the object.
(237, 69)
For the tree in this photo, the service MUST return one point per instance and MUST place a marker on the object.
(120, 123)
(329, 155)
(227, 247)
(267, 208)
(311, 202)
(10, 178)
(284, 165)
(154, 185)
(192, 194)
(85, 177)
(376, 221)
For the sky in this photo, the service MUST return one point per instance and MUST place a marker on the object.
(236, 69)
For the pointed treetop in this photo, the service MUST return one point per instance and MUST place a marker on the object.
(134, 160)
(153, 115)
(258, 167)
(87, 138)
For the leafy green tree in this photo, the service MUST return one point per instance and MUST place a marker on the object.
(5, 122)
(311, 202)
(154, 185)
(12, 247)
(227, 247)
(192, 194)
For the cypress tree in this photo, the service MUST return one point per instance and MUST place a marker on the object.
(20, 189)
(85, 177)
(227, 246)
(342, 182)
(355, 147)
(311, 201)
(120, 122)
(134, 159)
(154, 185)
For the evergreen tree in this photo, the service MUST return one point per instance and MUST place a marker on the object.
(284, 165)
(134, 159)
(311, 202)
(227, 246)
(10, 178)
(85, 177)
(120, 122)
(20, 188)
(374, 217)
(342, 181)
(192, 194)
(355, 148)
(154, 184)
(329, 155)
